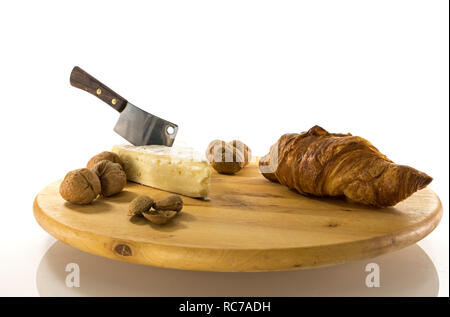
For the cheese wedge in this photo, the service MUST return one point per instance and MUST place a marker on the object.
(179, 170)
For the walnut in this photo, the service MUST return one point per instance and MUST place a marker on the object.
(173, 202)
(80, 186)
(112, 177)
(110, 156)
(139, 205)
(159, 217)
(163, 209)
(228, 158)
(241, 146)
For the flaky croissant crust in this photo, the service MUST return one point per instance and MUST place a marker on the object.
(331, 164)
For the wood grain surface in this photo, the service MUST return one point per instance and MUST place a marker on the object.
(249, 224)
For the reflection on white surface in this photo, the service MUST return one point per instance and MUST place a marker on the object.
(408, 272)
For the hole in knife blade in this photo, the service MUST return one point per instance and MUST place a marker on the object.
(170, 130)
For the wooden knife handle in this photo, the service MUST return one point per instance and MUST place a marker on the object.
(80, 79)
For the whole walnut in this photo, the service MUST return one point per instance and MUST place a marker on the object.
(228, 158)
(106, 155)
(80, 186)
(112, 177)
(241, 146)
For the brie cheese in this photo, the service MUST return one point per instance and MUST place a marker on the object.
(179, 170)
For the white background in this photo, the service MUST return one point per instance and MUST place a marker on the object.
(251, 70)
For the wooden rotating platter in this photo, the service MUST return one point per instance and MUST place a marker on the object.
(249, 224)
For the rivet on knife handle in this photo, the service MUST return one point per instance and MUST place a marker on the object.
(82, 80)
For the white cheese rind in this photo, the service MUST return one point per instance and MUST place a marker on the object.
(174, 169)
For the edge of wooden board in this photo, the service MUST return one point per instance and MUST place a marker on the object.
(235, 260)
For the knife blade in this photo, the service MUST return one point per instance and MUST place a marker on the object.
(135, 125)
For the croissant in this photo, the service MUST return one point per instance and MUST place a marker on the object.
(319, 163)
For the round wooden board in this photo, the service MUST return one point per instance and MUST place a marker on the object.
(249, 224)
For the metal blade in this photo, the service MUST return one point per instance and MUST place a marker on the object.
(142, 128)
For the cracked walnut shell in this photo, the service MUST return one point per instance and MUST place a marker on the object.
(139, 205)
(159, 217)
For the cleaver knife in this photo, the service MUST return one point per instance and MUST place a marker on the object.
(135, 125)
